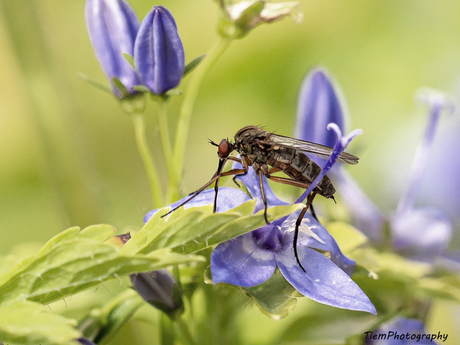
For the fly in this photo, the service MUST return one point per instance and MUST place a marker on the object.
(269, 153)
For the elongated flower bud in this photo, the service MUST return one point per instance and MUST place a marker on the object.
(112, 27)
(158, 51)
(319, 104)
(161, 290)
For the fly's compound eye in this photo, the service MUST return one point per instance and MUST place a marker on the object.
(224, 148)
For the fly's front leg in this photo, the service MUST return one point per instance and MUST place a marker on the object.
(297, 225)
(216, 186)
(236, 159)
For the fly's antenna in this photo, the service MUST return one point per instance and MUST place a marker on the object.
(212, 142)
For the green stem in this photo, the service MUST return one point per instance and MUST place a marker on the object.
(164, 133)
(172, 192)
(185, 331)
(189, 101)
(150, 168)
(166, 330)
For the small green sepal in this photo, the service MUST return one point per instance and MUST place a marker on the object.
(192, 65)
(130, 60)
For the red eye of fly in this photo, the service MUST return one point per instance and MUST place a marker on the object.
(224, 148)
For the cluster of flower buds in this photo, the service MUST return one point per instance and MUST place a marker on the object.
(149, 55)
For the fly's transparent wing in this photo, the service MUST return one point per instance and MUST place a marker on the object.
(317, 150)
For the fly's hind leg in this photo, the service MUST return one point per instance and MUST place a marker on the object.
(262, 191)
(297, 225)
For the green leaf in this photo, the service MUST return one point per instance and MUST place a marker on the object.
(26, 322)
(376, 261)
(447, 287)
(192, 65)
(76, 260)
(195, 228)
(102, 323)
(347, 236)
(275, 297)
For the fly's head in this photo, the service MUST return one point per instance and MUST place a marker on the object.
(224, 148)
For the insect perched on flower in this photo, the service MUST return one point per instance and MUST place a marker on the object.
(261, 149)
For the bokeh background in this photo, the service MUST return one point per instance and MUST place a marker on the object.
(67, 150)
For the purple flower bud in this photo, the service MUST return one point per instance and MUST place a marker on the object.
(158, 51)
(161, 290)
(319, 104)
(112, 27)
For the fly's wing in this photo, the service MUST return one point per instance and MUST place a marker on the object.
(317, 150)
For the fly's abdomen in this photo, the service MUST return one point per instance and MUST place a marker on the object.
(300, 167)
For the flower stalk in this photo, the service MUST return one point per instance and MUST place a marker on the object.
(172, 192)
(188, 103)
(149, 164)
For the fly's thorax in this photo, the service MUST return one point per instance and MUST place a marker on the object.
(250, 135)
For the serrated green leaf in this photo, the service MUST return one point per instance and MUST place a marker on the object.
(249, 223)
(193, 229)
(72, 262)
(192, 65)
(102, 323)
(27, 323)
(100, 232)
(274, 297)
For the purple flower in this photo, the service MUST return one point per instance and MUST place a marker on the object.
(422, 233)
(112, 27)
(320, 102)
(400, 331)
(251, 259)
(158, 51)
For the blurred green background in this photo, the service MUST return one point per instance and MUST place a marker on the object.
(67, 150)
